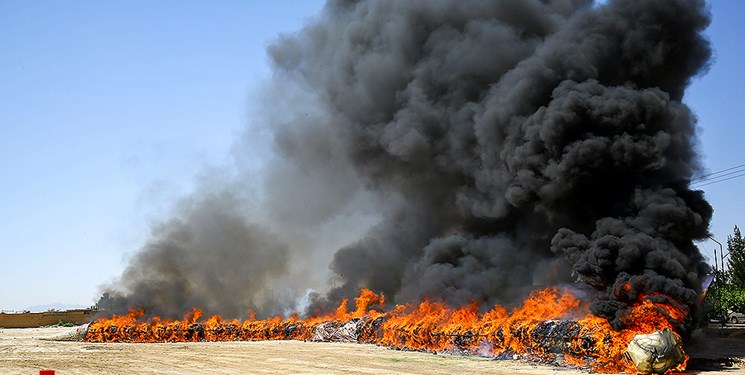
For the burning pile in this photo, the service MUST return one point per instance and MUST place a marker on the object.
(551, 326)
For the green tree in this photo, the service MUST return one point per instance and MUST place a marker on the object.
(727, 292)
(716, 303)
(736, 248)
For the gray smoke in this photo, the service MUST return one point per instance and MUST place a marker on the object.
(208, 256)
(489, 147)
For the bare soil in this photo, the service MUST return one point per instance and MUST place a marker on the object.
(22, 352)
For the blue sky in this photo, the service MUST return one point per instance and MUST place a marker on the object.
(718, 99)
(108, 110)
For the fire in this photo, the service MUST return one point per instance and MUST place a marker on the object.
(549, 326)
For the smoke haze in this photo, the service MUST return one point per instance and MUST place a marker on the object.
(458, 151)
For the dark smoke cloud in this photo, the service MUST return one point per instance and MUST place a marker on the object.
(499, 145)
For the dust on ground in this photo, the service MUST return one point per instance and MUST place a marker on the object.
(22, 352)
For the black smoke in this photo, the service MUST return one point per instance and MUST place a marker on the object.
(499, 145)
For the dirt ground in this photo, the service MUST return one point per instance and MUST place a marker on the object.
(22, 352)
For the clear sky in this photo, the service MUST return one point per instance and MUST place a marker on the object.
(109, 109)
(718, 98)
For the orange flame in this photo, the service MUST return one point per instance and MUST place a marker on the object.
(529, 330)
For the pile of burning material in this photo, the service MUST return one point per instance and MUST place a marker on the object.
(550, 327)
(656, 352)
(337, 331)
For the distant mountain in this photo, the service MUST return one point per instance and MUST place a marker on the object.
(55, 306)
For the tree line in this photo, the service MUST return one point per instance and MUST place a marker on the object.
(726, 293)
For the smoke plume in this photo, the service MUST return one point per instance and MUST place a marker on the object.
(458, 151)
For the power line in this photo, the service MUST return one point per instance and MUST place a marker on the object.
(714, 175)
(719, 176)
(714, 180)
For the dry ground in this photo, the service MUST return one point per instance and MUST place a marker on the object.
(21, 352)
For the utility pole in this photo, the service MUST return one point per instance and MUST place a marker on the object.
(721, 253)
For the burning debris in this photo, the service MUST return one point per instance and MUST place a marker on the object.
(656, 352)
(337, 331)
(550, 327)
